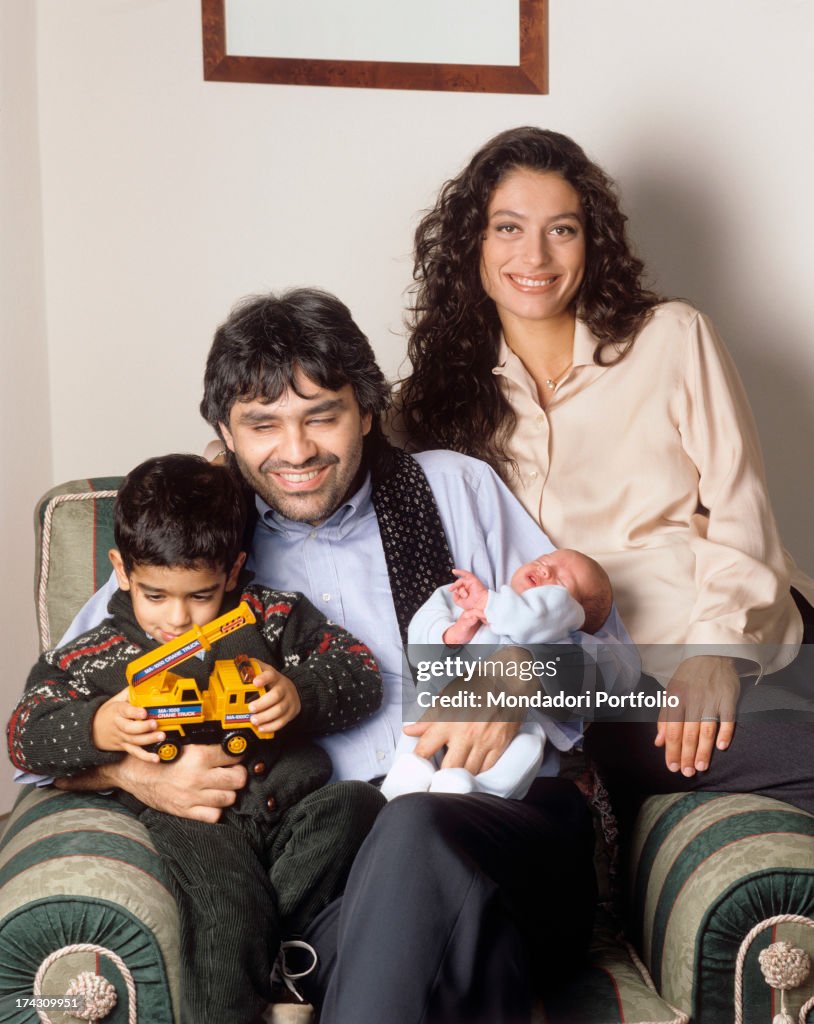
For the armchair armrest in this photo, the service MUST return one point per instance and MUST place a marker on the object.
(715, 879)
(79, 869)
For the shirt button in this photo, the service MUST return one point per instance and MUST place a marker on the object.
(271, 803)
(541, 419)
(533, 475)
(313, 533)
(326, 597)
(380, 755)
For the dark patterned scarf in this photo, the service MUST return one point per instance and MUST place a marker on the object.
(415, 546)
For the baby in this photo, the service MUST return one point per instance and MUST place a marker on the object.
(547, 599)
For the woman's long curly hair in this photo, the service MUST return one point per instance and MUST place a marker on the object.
(452, 399)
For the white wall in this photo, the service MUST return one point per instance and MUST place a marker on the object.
(25, 456)
(165, 198)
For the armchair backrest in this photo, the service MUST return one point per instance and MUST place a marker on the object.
(74, 532)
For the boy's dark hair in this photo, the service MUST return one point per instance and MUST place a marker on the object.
(179, 511)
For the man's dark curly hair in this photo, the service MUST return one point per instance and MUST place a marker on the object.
(267, 339)
(452, 399)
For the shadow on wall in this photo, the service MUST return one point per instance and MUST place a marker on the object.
(690, 240)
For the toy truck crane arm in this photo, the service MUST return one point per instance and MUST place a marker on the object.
(199, 638)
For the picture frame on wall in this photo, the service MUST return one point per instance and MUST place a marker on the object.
(485, 46)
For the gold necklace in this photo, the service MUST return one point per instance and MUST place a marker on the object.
(552, 382)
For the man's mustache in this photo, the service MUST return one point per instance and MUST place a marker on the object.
(315, 462)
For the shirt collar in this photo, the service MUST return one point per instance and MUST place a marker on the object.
(353, 508)
(509, 365)
(585, 345)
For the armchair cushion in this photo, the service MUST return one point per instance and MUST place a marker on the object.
(613, 988)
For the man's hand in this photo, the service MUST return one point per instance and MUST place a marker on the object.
(198, 785)
(475, 746)
(278, 705)
(118, 725)
(468, 592)
(708, 688)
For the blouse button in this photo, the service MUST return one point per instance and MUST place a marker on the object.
(533, 475)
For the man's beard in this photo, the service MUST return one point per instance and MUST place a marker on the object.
(308, 507)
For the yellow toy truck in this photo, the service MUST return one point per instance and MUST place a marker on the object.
(219, 714)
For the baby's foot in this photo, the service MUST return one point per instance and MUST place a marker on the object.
(409, 774)
(452, 780)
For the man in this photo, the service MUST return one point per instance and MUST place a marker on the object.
(455, 904)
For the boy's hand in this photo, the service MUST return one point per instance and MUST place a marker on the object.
(468, 592)
(462, 631)
(279, 705)
(118, 725)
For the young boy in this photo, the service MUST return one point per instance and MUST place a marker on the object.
(546, 600)
(282, 852)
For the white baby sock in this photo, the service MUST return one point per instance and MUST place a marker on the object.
(453, 780)
(409, 774)
(517, 767)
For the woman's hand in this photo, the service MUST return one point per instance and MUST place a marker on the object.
(708, 688)
(278, 705)
(119, 725)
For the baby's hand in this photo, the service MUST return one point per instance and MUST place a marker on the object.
(468, 592)
(118, 725)
(464, 630)
(280, 703)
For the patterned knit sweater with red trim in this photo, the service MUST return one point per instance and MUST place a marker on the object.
(338, 681)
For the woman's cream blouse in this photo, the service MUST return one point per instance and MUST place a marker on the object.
(653, 467)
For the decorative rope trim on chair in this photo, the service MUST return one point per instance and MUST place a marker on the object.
(744, 949)
(680, 1018)
(88, 947)
(804, 1010)
(42, 590)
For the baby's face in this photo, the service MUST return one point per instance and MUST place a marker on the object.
(567, 569)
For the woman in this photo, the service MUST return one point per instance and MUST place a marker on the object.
(619, 421)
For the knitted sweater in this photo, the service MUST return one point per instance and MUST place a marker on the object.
(50, 730)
